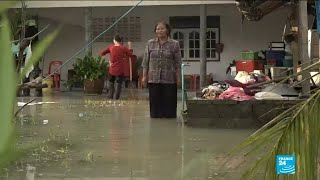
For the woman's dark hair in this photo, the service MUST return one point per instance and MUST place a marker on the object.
(167, 25)
(118, 38)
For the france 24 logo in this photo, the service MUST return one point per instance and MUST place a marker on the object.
(286, 164)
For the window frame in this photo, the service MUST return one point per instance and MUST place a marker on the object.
(183, 40)
(186, 48)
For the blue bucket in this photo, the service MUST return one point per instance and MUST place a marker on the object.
(277, 55)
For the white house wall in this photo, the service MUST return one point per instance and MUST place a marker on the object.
(235, 36)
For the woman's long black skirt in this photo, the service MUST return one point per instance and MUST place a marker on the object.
(163, 100)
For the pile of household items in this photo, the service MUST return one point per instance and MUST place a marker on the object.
(254, 75)
(245, 86)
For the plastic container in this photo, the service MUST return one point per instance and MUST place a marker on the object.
(248, 65)
(277, 55)
(277, 46)
(272, 62)
(233, 72)
(287, 63)
(49, 82)
(249, 55)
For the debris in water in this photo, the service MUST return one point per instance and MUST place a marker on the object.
(37, 103)
(45, 121)
(30, 172)
(89, 157)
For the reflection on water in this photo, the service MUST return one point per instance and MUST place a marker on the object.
(90, 136)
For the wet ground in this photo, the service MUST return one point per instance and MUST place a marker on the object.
(90, 137)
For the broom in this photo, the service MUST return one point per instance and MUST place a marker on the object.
(131, 84)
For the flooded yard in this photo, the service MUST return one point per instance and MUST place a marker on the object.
(72, 136)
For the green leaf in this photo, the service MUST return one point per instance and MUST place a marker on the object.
(11, 153)
(39, 50)
(7, 84)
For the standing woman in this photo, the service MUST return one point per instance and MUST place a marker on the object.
(161, 70)
(118, 53)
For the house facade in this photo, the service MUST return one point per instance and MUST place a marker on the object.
(224, 25)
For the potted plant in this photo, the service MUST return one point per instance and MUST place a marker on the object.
(91, 71)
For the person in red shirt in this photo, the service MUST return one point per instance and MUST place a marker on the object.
(117, 52)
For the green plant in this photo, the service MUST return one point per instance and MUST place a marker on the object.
(8, 84)
(72, 82)
(90, 68)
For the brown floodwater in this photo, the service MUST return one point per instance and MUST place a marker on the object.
(73, 136)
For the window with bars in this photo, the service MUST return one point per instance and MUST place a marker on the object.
(189, 40)
(179, 36)
(129, 28)
(211, 44)
(194, 44)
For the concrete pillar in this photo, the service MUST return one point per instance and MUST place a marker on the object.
(88, 30)
(303, 43)
(203, 38)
